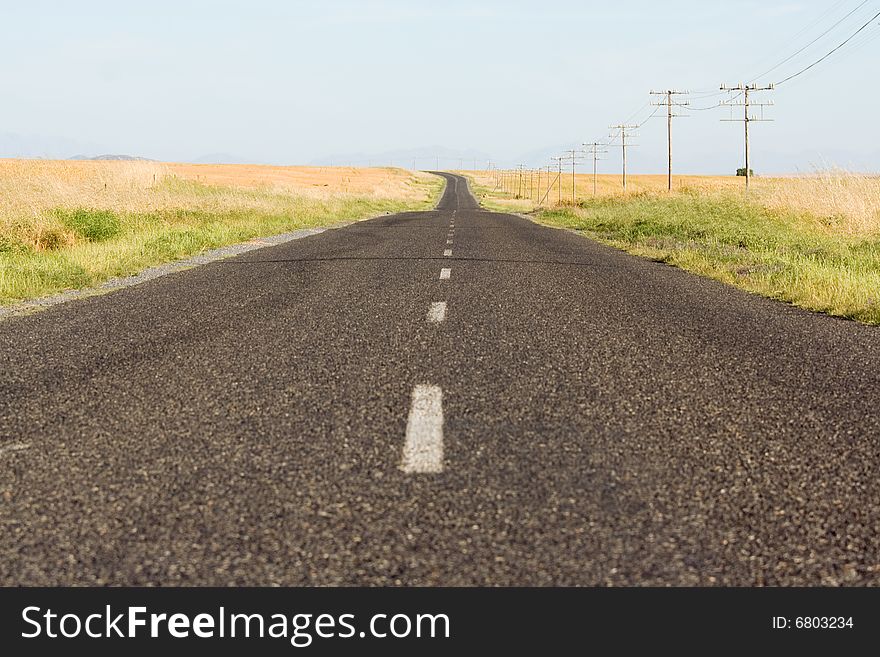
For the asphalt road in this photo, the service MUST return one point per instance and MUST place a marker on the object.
(605, 420)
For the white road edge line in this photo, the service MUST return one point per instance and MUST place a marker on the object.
(445, 273)
(437, 312)
(447, 252)
(423, 449)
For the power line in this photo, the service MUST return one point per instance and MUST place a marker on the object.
(783, 46)
(831, 52)
(818, 20)
(792, 56)
(652, 115)
(716, 105)
(707, 95)
(638, 111)
(856, 45)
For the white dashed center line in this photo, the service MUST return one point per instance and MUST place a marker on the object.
(445, 273)
(423, 450)
(437, 312)
(447, 252)
(449, 241)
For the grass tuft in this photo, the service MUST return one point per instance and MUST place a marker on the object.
(90, 224)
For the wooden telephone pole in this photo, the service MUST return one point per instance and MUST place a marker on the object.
(572, 155)
(746, 103)
(670, 103)
(594, 152)
(624, 134)
(550, 182)
(559, 177)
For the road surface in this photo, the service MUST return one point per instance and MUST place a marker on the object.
(452, 397)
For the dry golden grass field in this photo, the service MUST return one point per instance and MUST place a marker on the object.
(71, 224)
(850, 201)
(30, 190)
(317, 182)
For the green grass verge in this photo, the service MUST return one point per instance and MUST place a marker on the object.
(109, 244)
(783, 255)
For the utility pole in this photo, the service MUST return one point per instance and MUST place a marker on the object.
(571, 155)
(559, 178)
(623, 128)
(550, 182)
(519, 189)
(594, 152)
(746, 103)
(670, 103)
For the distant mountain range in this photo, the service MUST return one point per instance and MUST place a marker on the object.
(112, 157)
(212, 158)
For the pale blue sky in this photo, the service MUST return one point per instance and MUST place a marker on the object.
(299, 81)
